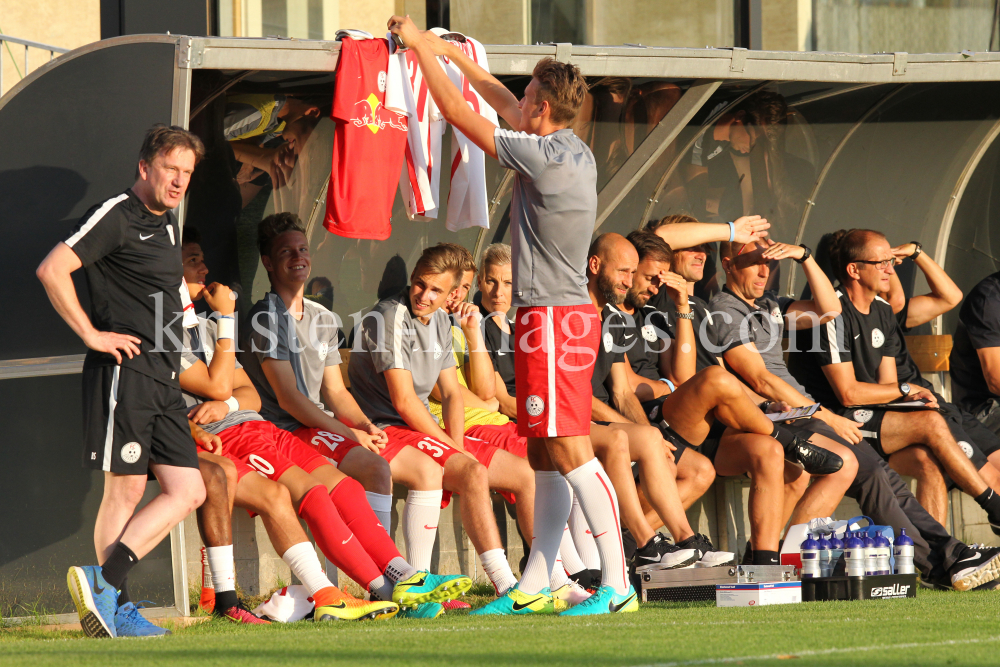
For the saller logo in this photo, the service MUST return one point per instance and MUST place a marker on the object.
(894, 591)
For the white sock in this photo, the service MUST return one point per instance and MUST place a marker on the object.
(381, 589)
(382, 506)
(331, 572)
(567, 552)
(498, 570)
(420, 522)
(586, 547)
(302, 560)
(206, 571)
(599, 504)
(398, 569)
(558, 578)
(552, 503)
(220, 561)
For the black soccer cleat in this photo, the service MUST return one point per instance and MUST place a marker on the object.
(659, 551)
(811, 458)
(975, 567)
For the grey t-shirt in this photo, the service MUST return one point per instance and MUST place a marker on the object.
(309, 345)
(553, 214)
(391, 337)
(199, 345)
(736, 323)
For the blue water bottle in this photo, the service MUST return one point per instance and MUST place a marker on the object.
(883, 549)
(809, 550)
(854, 555)
(836, 552)
(903, 551)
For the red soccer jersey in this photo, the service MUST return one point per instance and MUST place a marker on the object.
(368, 144)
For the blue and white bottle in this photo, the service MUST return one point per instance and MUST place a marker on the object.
(903, 551)
(809, 550)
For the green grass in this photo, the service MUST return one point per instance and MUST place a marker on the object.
(935, 629)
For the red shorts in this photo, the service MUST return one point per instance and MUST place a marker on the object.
(241, 467)
(554, 353)
(267, 449)
(331, 446)
(502, 436)
(402, 436)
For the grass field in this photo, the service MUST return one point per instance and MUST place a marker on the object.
(935, 629)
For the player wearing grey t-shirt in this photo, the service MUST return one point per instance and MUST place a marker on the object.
(553, 215)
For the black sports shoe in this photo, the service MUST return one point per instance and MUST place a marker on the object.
(748, 555)
(814, 460)
(669, 556)
(975, 567)
(588, 579)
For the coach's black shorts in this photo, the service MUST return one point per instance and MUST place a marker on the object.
(131, 421)
(710, 448)
(871, 430)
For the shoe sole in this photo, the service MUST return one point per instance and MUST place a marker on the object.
(79, 589)
(443, 593)
(728, 563)
(373, 615)
(984, 574)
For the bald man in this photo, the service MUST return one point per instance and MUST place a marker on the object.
(757, 445)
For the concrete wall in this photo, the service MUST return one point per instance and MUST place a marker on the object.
(63, 23)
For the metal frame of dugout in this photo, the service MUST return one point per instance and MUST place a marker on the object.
(70, 130)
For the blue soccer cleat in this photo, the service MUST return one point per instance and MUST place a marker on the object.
(426, 587)
(96, 600)
(605, 601)
(425, 610)
(130, 623)
(516, 603)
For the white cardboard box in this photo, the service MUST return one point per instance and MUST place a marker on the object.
(757, 595)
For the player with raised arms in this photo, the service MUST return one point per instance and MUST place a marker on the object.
(553, 214)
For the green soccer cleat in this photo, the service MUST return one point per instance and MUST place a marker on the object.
(605, 601)
(426, 587)
(516, 603)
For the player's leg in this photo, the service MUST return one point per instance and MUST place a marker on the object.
(826, 491)
(215, 525)
(272, 502)
(900, 430)
(695, 476)
(611, 447)
(920, 463)
(422, 476)
(122, 494)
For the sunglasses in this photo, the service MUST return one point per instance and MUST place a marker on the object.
(879, 264)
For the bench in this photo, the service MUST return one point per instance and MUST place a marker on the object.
(931, 354)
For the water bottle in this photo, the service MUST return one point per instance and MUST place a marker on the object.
(854, 555)
(824, 556)
(871, 556)
(883, 549)
(809, 551)
(903, 551)
(836, 552)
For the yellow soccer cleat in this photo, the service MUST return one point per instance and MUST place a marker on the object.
(426, 587)
(349, 608)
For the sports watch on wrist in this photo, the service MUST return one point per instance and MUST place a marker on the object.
(916, 253)
(805, 255)
(904, 388)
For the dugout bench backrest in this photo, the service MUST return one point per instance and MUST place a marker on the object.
(931, 355)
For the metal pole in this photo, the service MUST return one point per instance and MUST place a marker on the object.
(2, 47)
(25, 61)
(747, 24)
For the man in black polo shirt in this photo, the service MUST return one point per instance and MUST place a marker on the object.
(750, 324)
(135, 418)
(977, 442)
(975, 358)
(850, 367)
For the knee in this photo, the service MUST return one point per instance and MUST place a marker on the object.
(276, 496)
(214, 477)
(704, 471)
(768, 457)
(475, 478)
(129, 493)
(196, 495)
(924, 462)
(428, 473)
(850, 469)
(721, 380)
(375, 474)
(619, 446)
(935, 427)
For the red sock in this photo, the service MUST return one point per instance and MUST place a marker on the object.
(350, 500)
(335, 539)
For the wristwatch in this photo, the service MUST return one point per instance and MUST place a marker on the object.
(916, 253)
(904, 388)
(684, 316)
(806, 255)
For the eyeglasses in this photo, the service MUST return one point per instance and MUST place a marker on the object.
(880, 264)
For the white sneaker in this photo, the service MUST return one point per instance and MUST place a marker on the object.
(572, 593)
(716, 559)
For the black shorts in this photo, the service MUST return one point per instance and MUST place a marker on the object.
(965, 428)
(871, 430)
(710, 448)
(131, 421)
(668, 435)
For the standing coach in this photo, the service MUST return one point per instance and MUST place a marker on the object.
(135, 418)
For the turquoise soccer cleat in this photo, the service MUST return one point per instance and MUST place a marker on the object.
(605, 601)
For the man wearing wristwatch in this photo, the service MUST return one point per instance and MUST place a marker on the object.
(979, 443)
(850, 366)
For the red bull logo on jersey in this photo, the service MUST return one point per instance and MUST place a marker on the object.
(370, 113)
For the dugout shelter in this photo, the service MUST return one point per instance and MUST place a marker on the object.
(899, 142)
